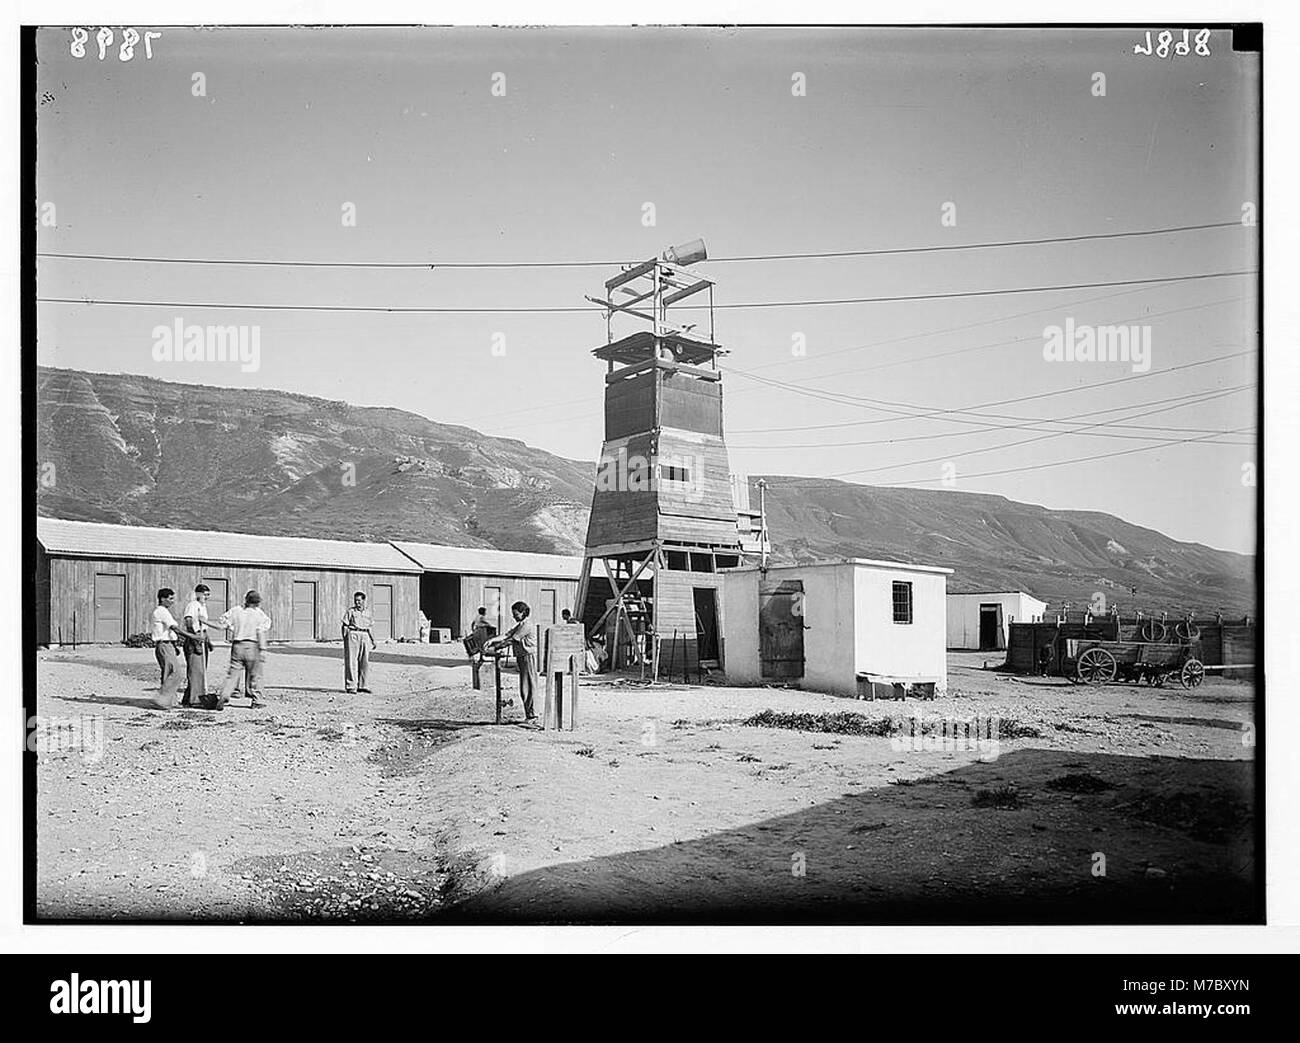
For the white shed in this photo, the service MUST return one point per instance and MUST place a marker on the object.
(982, 620)
(836, 626)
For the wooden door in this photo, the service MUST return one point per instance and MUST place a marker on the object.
(381, 610)
(706, 623)
(990, 624)
(780, 629)
(219, 600)
(303, 627)
(110, 607)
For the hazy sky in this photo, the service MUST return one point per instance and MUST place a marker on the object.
(593, 124)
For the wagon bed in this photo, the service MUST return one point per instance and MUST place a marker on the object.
(1097, 662)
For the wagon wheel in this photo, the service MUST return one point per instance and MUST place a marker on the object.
(1188, 631)
(1096, 666)
(1153, 630)
(1192, 674)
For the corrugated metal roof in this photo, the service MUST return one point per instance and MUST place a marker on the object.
(891, 566)
(100, 540)
(486, 561)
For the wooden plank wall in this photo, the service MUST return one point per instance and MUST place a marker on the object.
(630, 405)
(690, 404)
(620, 515)
(42, 564)
(675, 610)
(72, 589)
(513, 588)
(1225, 644)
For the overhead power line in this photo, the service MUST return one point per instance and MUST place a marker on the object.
(1022, 423)
(812, 255)
(1079, 460)
(1032, 467)
(988, 346)
(589, 310)
(909, 410)
(1037, 438)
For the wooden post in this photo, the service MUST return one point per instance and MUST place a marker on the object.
(560, 657)
(496, 665)
(654, 616)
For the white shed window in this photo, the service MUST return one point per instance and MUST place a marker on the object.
(902, 602)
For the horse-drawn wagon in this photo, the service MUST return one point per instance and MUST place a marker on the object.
(1157, 663)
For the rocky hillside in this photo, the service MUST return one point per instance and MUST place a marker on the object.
(131, 449)
(994, 543)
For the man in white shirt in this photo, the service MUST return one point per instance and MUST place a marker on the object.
(197, 647)
(165, 632)
(248, 628)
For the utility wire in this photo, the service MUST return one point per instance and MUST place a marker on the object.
(884, 252)
(576, 310)
(904, 361)
(1079, 460)
(1025, 423)
(883, 405)
(1028, 467)
(1027, 441)
(990, 345)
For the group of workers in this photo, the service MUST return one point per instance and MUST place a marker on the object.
(247, 627)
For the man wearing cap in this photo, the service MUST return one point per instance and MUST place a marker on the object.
(197, 646)
(248, 628)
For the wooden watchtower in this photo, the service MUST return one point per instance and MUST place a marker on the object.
(664, 520)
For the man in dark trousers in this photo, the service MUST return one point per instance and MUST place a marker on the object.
(523, 637)
(197, 646)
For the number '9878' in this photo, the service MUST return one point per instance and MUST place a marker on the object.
(1166, 46)
(105, 39)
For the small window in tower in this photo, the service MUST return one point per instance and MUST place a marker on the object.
(672, 473)
(676, 560)
(902, 602)
(701, 563)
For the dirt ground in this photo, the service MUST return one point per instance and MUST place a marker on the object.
(1058, 803)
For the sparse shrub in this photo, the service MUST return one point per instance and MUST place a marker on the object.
(996, 797)
(1079, 782)
(843, 723)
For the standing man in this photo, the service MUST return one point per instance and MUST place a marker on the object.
(357, 643)
(248, 628)
(523, 636)
(566, 616)
(166, 632)
(197, 647)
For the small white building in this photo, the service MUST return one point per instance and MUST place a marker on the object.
(982, 621)
(836, 627)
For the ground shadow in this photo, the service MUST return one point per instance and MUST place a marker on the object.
(336, 652)
(116, 700)
(985, 843)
